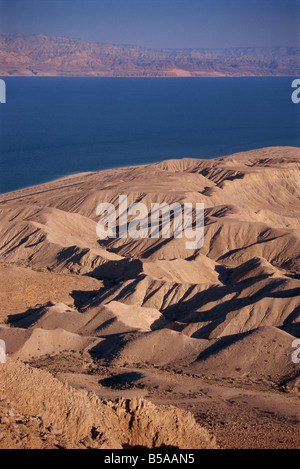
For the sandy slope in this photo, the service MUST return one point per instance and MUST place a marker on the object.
(228, 310)
(76, 419)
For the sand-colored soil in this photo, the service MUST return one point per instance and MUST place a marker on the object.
(208, 330)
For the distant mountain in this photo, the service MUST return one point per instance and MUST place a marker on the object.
(61, 56)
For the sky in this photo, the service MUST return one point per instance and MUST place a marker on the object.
(159, 23)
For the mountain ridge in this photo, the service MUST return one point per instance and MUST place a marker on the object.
(41, 55)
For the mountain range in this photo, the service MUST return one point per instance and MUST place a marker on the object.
(40, 55)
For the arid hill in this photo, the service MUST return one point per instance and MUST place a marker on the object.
(140, 317)
(43, 413)
(40, 55)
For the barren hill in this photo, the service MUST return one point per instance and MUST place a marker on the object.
(115, 313)
(44, 413)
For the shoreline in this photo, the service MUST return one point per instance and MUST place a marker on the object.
(84, 173)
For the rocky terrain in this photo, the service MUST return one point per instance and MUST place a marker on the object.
(40, 55)
(58, 416)
(209, 330)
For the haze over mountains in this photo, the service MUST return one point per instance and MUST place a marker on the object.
(210, 330)
(40, 55)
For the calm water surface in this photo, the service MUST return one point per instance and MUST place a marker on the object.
(51, 127)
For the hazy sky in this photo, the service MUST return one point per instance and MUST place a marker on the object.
(159, 23)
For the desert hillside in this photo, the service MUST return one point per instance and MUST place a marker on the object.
(58, 416)
(209, 330)
(40, 55)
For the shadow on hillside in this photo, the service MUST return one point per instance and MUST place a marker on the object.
(121, 381)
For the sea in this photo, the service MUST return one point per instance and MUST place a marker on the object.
(53, 126)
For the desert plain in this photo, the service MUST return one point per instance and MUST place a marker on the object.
(126, 343)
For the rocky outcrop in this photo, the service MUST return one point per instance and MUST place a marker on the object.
(60, 416)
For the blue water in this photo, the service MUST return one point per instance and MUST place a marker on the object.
(51, 127)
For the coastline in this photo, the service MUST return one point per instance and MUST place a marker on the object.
(55, 180)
